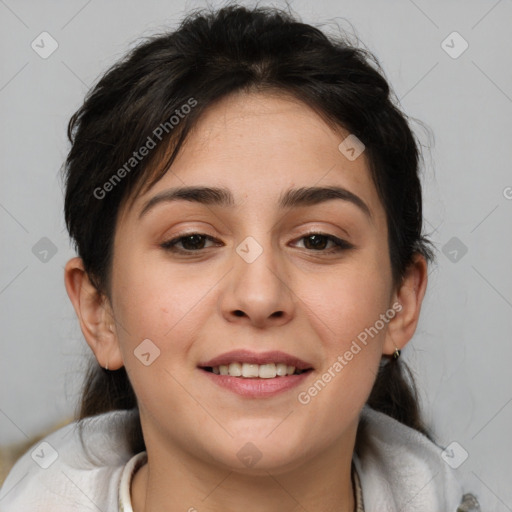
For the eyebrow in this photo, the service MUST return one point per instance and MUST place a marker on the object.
(293, 198)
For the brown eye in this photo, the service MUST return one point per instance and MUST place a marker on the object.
(189, 243)
(317, 242)
(324, 243)
(193, 242)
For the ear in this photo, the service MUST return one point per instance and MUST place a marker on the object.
(407, 301)
(95, 315)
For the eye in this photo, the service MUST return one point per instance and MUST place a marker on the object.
(195, 242)
(320, 242)
(192, 242)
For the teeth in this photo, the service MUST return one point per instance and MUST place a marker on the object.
(248, 370)
(235, 369)
(281, 369)
(267, 371)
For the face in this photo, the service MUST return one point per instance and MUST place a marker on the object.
(243, 269)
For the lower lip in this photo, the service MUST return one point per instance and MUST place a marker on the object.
(257, 388)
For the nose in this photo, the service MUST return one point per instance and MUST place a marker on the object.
(258, 293)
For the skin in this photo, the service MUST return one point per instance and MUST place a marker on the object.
(307, 302)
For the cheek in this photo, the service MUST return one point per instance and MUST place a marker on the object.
(154, 299)
(346, 310)
(346, 314)
(346, 302)
(152, 304)
(158, 303)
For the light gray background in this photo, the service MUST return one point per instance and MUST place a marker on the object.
(462, 351)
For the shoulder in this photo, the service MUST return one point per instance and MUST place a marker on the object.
(401, 469)
(76, 467)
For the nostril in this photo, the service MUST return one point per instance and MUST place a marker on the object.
(238, 313)
(277, 314)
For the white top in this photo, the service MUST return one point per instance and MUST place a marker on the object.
(125, 500)
(398, 469)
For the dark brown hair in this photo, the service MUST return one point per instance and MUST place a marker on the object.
(212, 54)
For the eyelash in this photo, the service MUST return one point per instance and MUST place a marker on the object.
(340, 245)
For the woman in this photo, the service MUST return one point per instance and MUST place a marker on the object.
(245, 202)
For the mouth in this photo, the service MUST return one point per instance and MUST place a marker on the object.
(256, 375)
(263, 365)
(255, 371)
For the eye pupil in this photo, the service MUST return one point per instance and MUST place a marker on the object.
(317, 242)
(192, 242)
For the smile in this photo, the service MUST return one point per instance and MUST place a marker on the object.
(261, 371)
(256, 387)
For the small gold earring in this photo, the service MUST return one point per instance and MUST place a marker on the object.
(396, 353)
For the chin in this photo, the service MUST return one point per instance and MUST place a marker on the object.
(260, 455)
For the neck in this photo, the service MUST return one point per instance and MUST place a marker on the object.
(174, 481)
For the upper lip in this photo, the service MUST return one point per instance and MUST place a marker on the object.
(247, 356)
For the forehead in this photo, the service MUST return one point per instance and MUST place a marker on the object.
(259, 145)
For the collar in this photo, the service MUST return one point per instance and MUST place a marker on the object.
(138, 460)
(130, 468)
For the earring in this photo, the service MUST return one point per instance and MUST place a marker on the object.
(396, 353)
(106, 366)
